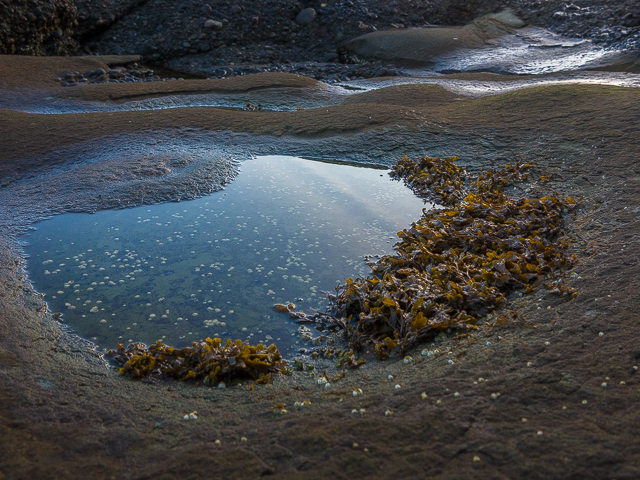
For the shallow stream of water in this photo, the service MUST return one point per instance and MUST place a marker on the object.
(286, 229)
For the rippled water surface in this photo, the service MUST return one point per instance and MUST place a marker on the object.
(287, 229)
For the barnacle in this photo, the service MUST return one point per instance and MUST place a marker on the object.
(210, 361)
(458, 262)
(250, 107)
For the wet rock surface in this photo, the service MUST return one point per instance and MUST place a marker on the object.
(551, 393)
(548, 394)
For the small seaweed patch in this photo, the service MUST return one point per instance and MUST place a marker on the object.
(456, 263)
(210, 361)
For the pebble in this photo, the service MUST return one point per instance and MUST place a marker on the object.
(128, 74)
(213, 24)
(306, 16)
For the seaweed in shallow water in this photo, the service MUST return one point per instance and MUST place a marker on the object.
(456, 263)
(210, 361)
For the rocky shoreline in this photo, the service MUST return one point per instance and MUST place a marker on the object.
(551, 394)
(221, 38)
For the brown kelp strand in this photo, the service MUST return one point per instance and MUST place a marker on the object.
(210, 361)
(456, 263)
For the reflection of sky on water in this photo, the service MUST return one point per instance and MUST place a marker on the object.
(531, 51)
(483, 88)
(286, 229)
(523, 59)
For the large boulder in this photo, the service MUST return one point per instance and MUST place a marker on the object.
(419, 46)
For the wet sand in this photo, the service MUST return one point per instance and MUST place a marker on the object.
(64, 415)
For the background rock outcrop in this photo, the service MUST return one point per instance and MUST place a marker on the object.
(38, 27)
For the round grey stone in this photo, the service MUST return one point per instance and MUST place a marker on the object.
(306, 16)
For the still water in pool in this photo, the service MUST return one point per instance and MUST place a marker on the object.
(285, 230)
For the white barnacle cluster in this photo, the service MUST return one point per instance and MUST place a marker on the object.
(214, 323)
(430, 353)
(305, 333)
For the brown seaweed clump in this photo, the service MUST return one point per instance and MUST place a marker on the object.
(457, 263)
(210, 361)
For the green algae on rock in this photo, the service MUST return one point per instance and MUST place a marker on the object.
(210, 361)
(456, 263)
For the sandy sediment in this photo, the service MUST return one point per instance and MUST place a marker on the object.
(552, 394)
